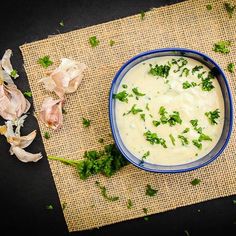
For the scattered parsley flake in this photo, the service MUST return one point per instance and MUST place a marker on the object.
(185, 72)
(137, 93)
(94, 41)
(187, 85)
(229, 8)
(121, 96)
(156, 123)
(134, 110)
(150, 191)
(62, 23)
(147, 107)
(86, 122)
(46, 135)
(146, 218)
(196, 68)
(222, 46)
(129, 204)
(185, 131)
(204, 137)
(161, 71)
(45, 61)
(194, 123)
(142, 15)
(145, 210)
(207, 84)
(104, 193)
(152, 138)
(212, 116)
(181, 62)
(195, 182)
(172, 139)
(209, 7)
(231, 67)
(111, 42)
(14, 74)
(142, 116)
(146, 154)
(183, 139)
(49, 207)
(197, 144)
(125, 86)
(28, 94)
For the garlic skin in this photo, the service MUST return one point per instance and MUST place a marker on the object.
(66, 78)
(6, 63)
(18, 142)
(51, 113)
(13, 104)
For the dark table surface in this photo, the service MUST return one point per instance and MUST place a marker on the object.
(26, 189)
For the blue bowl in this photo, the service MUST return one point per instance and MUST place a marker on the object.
(228, 122)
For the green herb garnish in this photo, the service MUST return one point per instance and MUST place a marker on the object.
(146, 154)
(174, 118)
(207, 84)
(137, 93)
(121, 96)
(62, 23)
(94, 41)
(49, 207)
(45, 61)
(172, 139)
(142, 15)
(46, 135)
(154, 139)
(181, 62)
(104, 193)
(150, 191)
(185, 72)
(212, 116)
(231, 67)
(14, 74)
(187, 85)
(161, 71)
(142, 116)
(229, 8)
(183, 139)
(185, 131)
(134, 110)
(125, 86)
(111, 42)
(86, 122)
(209, 7)
(145, 210)
(204, 137)
(106, 162)
(197, 143)
(129, 204)
(222, 46)
(156, 123)
(147, 107)
(28, 94)
(196, 68)
(195, 182)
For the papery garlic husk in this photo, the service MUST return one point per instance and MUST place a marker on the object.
(66, 78)
(51, 113)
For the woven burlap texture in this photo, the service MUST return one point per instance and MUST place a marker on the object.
(188, 24)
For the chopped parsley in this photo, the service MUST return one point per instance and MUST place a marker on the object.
(137, 93)
(229, 8)
(185, 131)
(106, 162)
(231, 67)
(172, 139)
(147, 107)
(209, 7)
(28, 94)
(150, 191)
(183, 139)
(196, 68)
(160, 70)
(197, 143)
(185, 72)
(49, 207)
(142, 116)
(200, 75)
(187, 85)
(86, 122)
(62, 23)
(14, 74)
(129, 204)
(145, 210)
(125, 86)
(156, 123)
(45, 61)
(172, 119)
(152, 138)
(101, 140)
(146, 154)
(212, 116)
(104, 193)
(94, 41)
(204, 137)
(194, 123)
(111, 42)
(207, 84)
(222, 46)
(195, 182)
(46, 135)
(121, 96)
(142, 15)
(134, 110)
(181, 62)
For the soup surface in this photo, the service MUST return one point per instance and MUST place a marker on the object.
(169, 110)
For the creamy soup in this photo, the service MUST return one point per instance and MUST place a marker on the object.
(169, 110)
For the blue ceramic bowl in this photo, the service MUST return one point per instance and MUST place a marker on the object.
(227, 128)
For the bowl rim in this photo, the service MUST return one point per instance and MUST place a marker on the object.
(184, 50)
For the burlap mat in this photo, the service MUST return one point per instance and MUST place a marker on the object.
(188, 24)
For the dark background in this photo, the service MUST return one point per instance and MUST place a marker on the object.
(26, 189)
